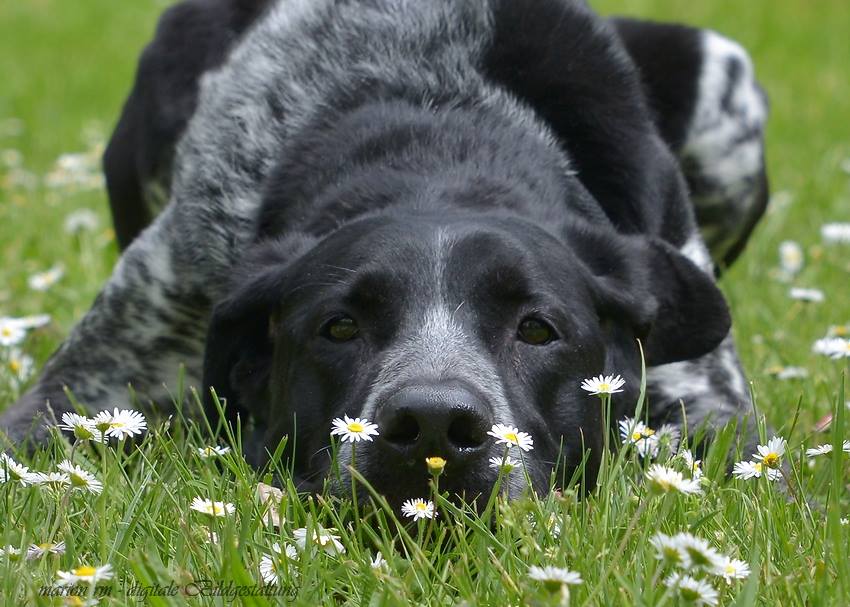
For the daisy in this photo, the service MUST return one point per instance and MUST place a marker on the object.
(786, 373)
(699, 553)
(503, 465)
(10, 552)
(666, 480)
(607, 384)
(810, 295)
(436, 465)
(694, 465)
(54, 482)
(80, 479)
(120, 424)
(379, 562)
(838, 331)
(85, 574)
(323, 538)
(771, 454)
(554, 578)
(418, 508)
(819, 450)
(44, 280)
(36, 551)
(12, 471)
(835, 232)
(268, 564)
(354, 430)
(212, 451)
(791, 257)
(511, 436)
(82, 220)
(32, 322)
(834, 347)
(211, 508)
(644, 438)
(12, 332)
(82, 427)
(748, 470)
(732, 569)
(693, 591)
(20, 365)
(669, 549)
(668, 435)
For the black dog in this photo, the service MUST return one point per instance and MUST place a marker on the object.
(437, 215)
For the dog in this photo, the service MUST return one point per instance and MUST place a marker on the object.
(437, 215)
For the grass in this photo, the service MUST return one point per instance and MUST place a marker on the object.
(66, 68)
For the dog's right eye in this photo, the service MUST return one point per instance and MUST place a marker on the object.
(341, 329)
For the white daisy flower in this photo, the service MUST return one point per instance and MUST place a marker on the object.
(10, 552)
(55, 482)
(418, 508)
(85, 574)
(668, 435)
(603, 384)
(748, 470)
(268, 564)
(694, 465)
(12, 471)
(82, 427)
(693, 591)
(81, 479)
(669, 549)
(844, 521)
(36, 551)
(809, 295)
(819, 450)
(81, 220)
(732, 569)
(212, 451)
(120, 424)
(44, 280)
(32, 322)
(641, 436)
(791, 257)
(835, 233)
(504, 465)
(554, 578)
(19, 365)
(211, 508)
(846, 446)
(838, 331)
(786, 373)
(354, 430)
(508, 435)
(12, 332)
(323, 538)
(666, 480)
(699, 553)
(379, 562)
(834, 347)
(771, 453)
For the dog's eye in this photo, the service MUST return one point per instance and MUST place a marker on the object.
(342, 328)
(536, 332)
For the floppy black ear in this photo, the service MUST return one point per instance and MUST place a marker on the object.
(239, 347)
(675, 307)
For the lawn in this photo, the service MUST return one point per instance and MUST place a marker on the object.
(66, 68)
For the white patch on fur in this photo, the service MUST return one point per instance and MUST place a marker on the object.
(695, 250)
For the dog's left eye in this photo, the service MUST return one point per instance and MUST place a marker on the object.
(536, 332)
(341, 329)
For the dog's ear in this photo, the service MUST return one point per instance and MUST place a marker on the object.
(239, 347)
(674, 306)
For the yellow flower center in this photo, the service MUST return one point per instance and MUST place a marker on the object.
(729, 569)
(84, 571)
(78, 480)
(355, 427)
(421, 506)
(512, 437)
(5, 331)
(648, 432)
(15, 366)
(45, 546)
(117, 424)
(758, 467)
(841, 331)
(771, 460)
(217, 509)
(603, 387)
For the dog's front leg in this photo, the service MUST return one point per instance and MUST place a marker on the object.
(148, 320)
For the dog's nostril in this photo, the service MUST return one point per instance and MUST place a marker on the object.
(404, 431)
(464, 432)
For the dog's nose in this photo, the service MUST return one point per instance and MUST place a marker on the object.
(448, 420)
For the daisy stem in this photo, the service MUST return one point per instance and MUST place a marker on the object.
(354, 490)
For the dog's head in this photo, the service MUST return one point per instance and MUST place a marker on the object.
(436, 327)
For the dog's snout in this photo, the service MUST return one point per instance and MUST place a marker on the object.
(448, 420)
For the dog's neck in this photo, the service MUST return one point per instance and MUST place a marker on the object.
(398, 156)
